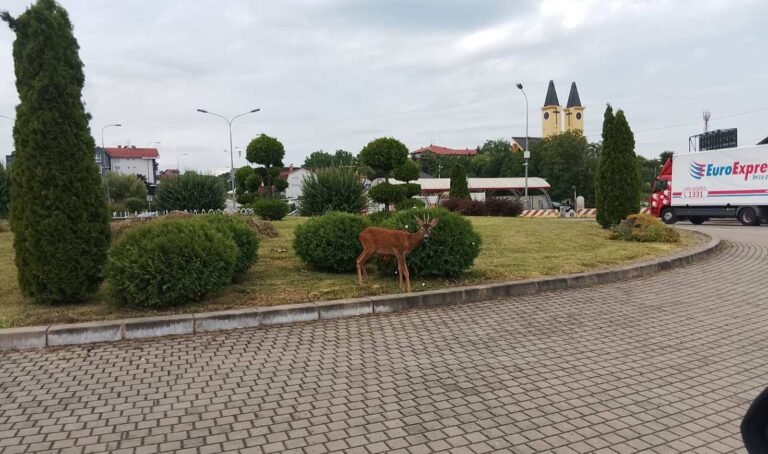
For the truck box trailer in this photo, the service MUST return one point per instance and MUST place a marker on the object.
(726, 183)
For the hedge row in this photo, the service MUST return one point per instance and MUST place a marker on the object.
(495, 206)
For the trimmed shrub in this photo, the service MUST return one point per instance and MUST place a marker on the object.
(332, 189)
(330, 242)
(644, 228)
(378, 218)
(387, 193)
(170, 262)
(407, 204)
(270, 209)
(497, 206)
(135, 204)
(451, 248)
(192, 191)
(466, 207)
(244, 237)
(411, 189)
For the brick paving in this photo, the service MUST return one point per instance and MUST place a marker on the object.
(661, 365)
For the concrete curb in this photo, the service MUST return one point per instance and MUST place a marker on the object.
(114, 330)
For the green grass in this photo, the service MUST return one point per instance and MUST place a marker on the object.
(513, 248)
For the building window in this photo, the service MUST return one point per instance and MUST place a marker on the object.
(578, 115)
(98, 159)
(546, 115)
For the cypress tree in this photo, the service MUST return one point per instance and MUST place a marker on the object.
(58, 212)
(5, 196)
(459, 188)
(618, 179)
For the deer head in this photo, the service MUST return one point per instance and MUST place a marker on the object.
(426, 226)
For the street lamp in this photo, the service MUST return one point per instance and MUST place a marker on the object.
(231, 149)
(526, 153)
(153, 143)
(104, 150)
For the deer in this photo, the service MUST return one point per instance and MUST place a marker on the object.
(397, 243)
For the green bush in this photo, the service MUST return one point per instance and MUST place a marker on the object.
(330, 242)
(451, 248)
(644, 229)
(378, 218)
(332, 189)
(387, 194)
(169, 262)
(244, 237)
(270, 209)
(407, 204)
(58, 208)
(135, 204)
(192, 192)
(411, 189)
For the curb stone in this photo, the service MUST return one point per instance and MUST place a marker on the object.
(115, 330)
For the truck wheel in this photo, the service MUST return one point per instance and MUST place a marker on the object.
(747, 216)
(668, 216)
(696, 220)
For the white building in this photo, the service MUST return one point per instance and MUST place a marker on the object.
(295, 177)
(134, 161)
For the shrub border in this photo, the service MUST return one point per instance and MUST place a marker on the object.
(205, 322)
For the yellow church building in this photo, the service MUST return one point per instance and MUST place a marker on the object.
(572, 118)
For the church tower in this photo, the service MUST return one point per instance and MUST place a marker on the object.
(550, 113)
(574, 111)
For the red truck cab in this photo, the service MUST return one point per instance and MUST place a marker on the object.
(661, 194)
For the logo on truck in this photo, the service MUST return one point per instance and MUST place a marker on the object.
(697, 170)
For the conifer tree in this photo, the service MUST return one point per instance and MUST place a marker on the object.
(58, 209)
(618, 178)
(5, 195)
(459, 188)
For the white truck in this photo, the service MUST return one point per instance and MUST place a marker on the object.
(725, 183)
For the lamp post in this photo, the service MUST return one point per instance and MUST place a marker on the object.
(153, 143)
(526, 153)
(104, 150)
(231, 149)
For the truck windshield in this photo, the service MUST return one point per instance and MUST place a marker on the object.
(660, 185)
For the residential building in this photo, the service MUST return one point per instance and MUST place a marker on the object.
(8, 160)
(295, 177)
(133, 161)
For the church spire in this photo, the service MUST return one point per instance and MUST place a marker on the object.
(573, 97)
(551, 99)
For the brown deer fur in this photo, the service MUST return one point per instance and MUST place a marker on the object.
(397, 243)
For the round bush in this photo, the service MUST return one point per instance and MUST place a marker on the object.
(135, 204)
(169, 262)
(270, 209)
(387, 193)
(330, 242)
(411, 189)
(378, 218)
(407, 204)
(244, 237)
(451, 248)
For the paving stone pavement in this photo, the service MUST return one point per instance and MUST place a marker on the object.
(660, 365)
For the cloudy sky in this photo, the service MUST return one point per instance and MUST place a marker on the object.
(332, 74)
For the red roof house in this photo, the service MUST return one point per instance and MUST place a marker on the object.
(133, 152)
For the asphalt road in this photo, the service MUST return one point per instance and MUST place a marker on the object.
(663, 364)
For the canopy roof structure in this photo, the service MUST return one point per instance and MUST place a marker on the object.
(439, 185)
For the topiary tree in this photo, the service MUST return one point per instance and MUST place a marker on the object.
(387, 193)
(407, 172)
(459, 187)
(268, 152)
(332, 189)
(58, 209)
(384, 155)
(5, 195)
(192, 191)
(618, 179)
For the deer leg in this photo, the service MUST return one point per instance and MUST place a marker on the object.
(361, 261)
(407, 274)
(400, 266)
